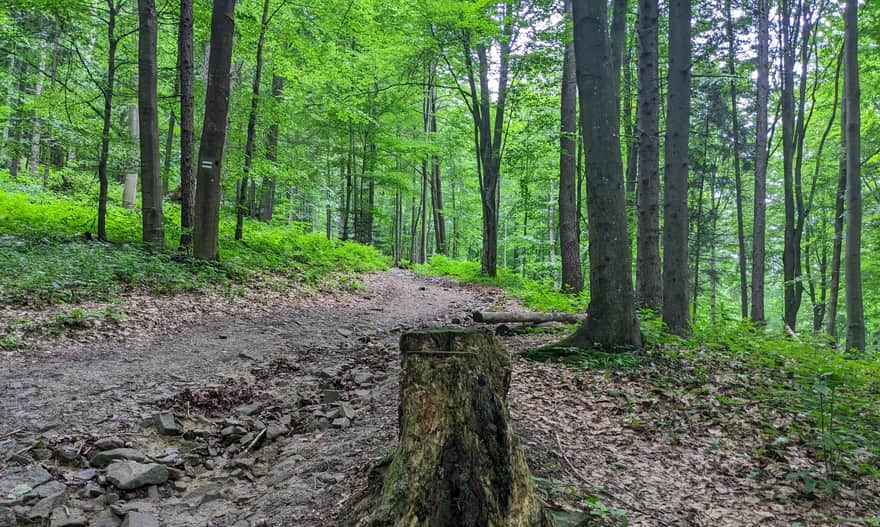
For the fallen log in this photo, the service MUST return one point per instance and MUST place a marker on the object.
(458, 462)
(506, 317)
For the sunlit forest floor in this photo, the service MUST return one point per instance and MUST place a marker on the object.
(681, 435)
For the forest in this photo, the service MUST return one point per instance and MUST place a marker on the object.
(254, 253)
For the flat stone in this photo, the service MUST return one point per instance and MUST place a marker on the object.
(43, 508)
(203, 494)
(233, 432)
(341, 422)
(64, 453)
(109, 443)
(363, 394)
(104, 458)
(249, 355)
(347, 410)
(128, 475)
(86, 474)
(166, 425)
(140, 519)
(330, 396)
(249, 409)
(63, 518)
(19, 477)
(363, 377)
(276, 430)
(106, 518)
(48, 489)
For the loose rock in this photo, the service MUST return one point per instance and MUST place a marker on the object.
(109, 443)
(166, 425)
(104, 458)
(128, 475)
(140, 519)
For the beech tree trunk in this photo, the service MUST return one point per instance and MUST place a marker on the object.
(759, 228)
(207, 204)
(103, 182)
(267, 200)
(148, 119)
(569, 241)
(187, 124)
(839, 212)
(611, 321)
(675, 217)
(649, 287)
(130, 179)
(855, 312)
(458, 461)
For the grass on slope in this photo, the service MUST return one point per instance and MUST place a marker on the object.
(44, 256)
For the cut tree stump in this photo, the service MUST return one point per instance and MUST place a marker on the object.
(506, 317)
(458, 462)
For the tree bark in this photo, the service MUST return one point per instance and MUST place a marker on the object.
(855, 313)
(34, 159)
(761, 156)
(791, 245)
(103, 182)
(207, 203)
(675, 211)
(649, 286)
(742, 260)
(148, 119)
(267, 200)
(839, 214)
(130, 179)
(458, 461)
(569, 240)
(241, 208)
(187, 124)
(611, 321)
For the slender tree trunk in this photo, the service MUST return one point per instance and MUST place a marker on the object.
(346, 213)
(569, 241)
(169, 140)
(148, 119)
(423, 232)
(675, 226)
(611, 321)
(742, 259)
(267, 201)
(839, 215)
(17, 119)
(50, 143)
(103, 182)
(436, 183)
(761, 156)
(130, 179)
(187, 124)
(242, 208)
(207, 217)
(11, 97)
(855, 314)
(649, 286)
(34, 159)
(698, 242)
(790, 252)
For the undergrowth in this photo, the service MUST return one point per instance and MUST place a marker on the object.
(535, 294)
(46, 258)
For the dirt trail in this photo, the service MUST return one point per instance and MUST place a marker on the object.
(660, 456)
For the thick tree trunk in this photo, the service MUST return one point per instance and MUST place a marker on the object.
(761, 156)
(855, 313)
(612, 319)
(649, 286)
(458, 461)
(742, 260)
(241, 208)
(675, 223)
(187, 124)
(207, 209)
(569, 241)
(148, 118)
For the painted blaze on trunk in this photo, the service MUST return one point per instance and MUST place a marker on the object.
(458, 461)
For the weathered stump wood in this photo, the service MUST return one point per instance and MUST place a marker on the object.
(458, 462)
(504, 317)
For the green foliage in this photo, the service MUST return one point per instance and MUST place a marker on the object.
(539, 295)
(45, 258)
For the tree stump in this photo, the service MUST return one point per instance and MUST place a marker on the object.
(458, 462)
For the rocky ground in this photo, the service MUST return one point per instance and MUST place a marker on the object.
(246, 414)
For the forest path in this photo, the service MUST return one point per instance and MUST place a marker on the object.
(662, 455)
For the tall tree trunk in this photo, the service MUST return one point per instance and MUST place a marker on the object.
(148, 119)
(618, 43)
(241, 206)
(611, 321)
(761, 156)
(50, 143)
(436, 183)
(649, 286)
(207, 218)
(423, 229)
(130, 179)
(675, 226)
(742, 260)
(34, 159)
(855, 313)
(791, 246)
(346, 211)
(103, 182)
(569, 240)
(169, 140)
(17, 123)
(839, 212)
(11, 97)
(187, 124)
(267, 200)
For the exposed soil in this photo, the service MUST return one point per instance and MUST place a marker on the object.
(644, 453)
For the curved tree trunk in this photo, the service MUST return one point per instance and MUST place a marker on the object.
(458, 461)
